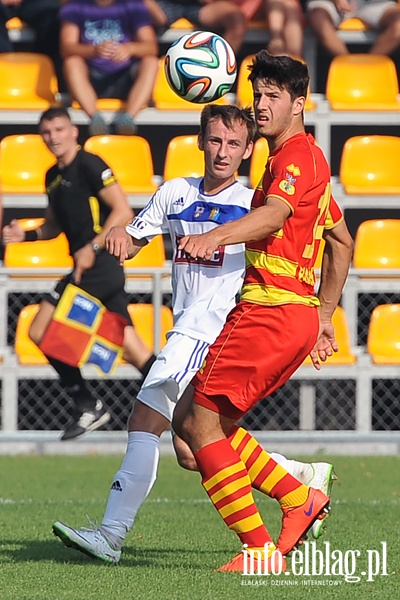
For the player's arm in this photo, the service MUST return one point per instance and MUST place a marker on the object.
(258, 224)
(113, 196)
(122, 245)
(49, 230)
(335, 267)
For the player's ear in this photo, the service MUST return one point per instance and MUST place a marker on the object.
(298, 105)
(248, 150)
(75, 132)
(200, 142)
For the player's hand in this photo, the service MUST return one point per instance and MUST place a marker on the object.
(325, 345)
(200, 246)
(105, 49)
(120, 53)
(118, 243)
(84, 259)
(13, 232)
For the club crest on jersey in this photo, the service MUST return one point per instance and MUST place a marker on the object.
(198, 212)
(214, 214)
(287, 184)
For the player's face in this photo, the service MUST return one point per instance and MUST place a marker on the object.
(224, 149)
(274, 111)
(60, 136)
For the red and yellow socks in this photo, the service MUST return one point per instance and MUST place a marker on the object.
(226, 481)
(265, 473)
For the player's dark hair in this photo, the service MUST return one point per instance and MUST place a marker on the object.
(283, 71)
(229, 115)
(54, 112)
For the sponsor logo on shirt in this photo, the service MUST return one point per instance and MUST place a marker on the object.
(181, 257)
(179, 202)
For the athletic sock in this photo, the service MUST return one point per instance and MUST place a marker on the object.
(71, 378)
(300, 470)
(226, 481)
(131, 485)
(265, 473)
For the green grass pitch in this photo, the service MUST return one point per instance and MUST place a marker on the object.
(178, 538)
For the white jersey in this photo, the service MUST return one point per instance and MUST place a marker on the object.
(204, 291)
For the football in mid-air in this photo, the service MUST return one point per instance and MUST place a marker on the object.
(200, 67)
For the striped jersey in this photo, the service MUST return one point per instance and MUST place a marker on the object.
(204, 291)
(280, 268)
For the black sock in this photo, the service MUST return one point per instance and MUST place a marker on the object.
(147, 366)
(71, 378)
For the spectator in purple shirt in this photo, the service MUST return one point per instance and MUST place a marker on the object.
(110, 50)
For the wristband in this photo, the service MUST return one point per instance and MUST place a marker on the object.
(31, 236)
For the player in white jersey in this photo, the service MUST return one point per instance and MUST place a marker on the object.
(203, 293)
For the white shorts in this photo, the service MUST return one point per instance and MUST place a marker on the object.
(369, 12)
(171, 373)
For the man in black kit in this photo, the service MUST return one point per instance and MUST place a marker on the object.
(84, 201)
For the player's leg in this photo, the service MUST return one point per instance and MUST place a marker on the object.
(89, 412)
(225, 477)
(226, 18)
(150, 417)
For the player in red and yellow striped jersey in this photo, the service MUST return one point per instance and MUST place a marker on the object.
(277, 323)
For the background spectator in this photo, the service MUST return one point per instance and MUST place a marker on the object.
(325, 17)
(220, 16)
(42, 17)
(110, 50)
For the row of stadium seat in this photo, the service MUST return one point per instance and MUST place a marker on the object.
(377, 246)
(383, 342)
(361, 82)
(368, 163)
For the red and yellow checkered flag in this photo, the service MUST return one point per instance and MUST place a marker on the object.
(82, 331)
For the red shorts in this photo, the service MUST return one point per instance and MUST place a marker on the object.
(258, 350)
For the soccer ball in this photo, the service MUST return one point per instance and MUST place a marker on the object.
(200, 67)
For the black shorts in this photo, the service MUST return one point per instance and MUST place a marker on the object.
(105, 281)
(114, 85)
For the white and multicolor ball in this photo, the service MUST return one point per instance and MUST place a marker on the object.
(200, 67)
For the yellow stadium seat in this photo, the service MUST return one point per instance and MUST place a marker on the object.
(258, 161)
(24, 160)
(377, 245)
(383, 342)
(244, 93)
(352, 24)
(183, 158)
(345, 355)
(113, 104)
(130, 159)
(28, 81)
(15, 23)
(164, 97)
(369, 165)
(27, 352)
(362, 82)
(39, 255)
(30, 224)
(142, 316)
(182, 24)
(152, 255)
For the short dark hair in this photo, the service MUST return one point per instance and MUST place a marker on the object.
(285, 72)
(229, 115)
(53, 112)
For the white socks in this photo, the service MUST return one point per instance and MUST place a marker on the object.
(300, 470)
(130, 486)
